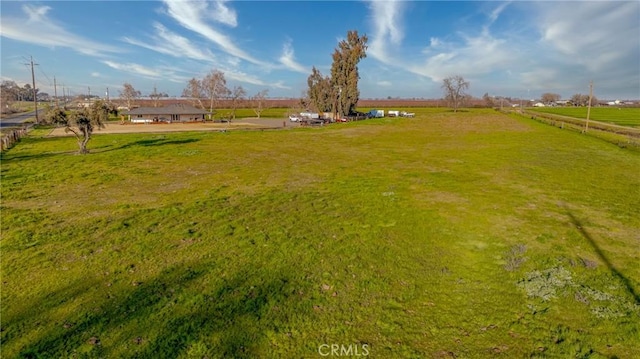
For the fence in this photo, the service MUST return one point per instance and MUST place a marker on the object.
(10, 138)
(625, 137)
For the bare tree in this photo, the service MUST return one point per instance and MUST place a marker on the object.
(237, 95)
(259, 103)
(155, 96)
(455, 88)
(194, 91)
(214, 86)
(582, 100)
(129, 94)
(548, 98)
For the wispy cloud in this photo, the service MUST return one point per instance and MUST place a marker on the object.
(193, 16)
(223, 14)
(464, 54)
(169, 43)
(609, 35)
(135, 69)
(38, 28)
(495, 13)
(475, 55)
(386, 18)
(288, 59)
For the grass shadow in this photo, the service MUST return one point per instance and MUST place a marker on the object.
(149, 143)
(627, 283)
(165, 316)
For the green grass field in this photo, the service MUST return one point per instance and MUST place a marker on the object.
(624, 116)
(472, 234)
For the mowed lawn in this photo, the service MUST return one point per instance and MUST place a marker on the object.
(471, 235)
(623, 116)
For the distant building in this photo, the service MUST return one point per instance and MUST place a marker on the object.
(172, 113)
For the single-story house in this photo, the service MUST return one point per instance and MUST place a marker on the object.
(172, 113)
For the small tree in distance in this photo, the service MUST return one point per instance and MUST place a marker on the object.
(258, 102)
(195, 91)
(237, 95)
(549, 98)
(455, 88)
(129, 94)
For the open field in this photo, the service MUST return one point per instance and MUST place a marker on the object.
(472, 235)
(623, 116)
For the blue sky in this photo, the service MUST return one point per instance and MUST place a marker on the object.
(517, 48)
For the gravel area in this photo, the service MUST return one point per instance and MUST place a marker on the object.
(239, 124)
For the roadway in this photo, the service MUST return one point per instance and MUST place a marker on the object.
(16, 120)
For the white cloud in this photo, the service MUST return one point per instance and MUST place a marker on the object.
(386, 17)
(135, 69)
(192, 15)
(37, 28)
(224, 14)
(96, 74)
(170, 43)
(474, 56)
(384, 83)
(288, 59)
(595, 34)
(495, 13)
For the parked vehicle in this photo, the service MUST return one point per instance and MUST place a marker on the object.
(376, 113)
(311, 115)
(393, 113)
(294, 118)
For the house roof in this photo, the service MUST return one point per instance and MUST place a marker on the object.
(177, 109)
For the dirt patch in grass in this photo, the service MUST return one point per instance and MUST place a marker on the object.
(244, 124)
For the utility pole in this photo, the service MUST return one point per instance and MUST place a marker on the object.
(33, 83)
(107, 94)
(586, 128)
(89, 92)
(55, 91)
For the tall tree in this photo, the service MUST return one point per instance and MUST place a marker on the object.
(320, 93)
(259, 102)
(9, 92)
(214, 86)
(455, 88)
(129, 94)
(344, 71)
(194, 91)
(237, 95)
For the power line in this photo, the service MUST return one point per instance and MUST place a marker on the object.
(45, 75)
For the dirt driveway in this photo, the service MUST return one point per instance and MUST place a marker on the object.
(240, 124)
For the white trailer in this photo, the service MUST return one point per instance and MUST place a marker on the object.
(376, 113)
